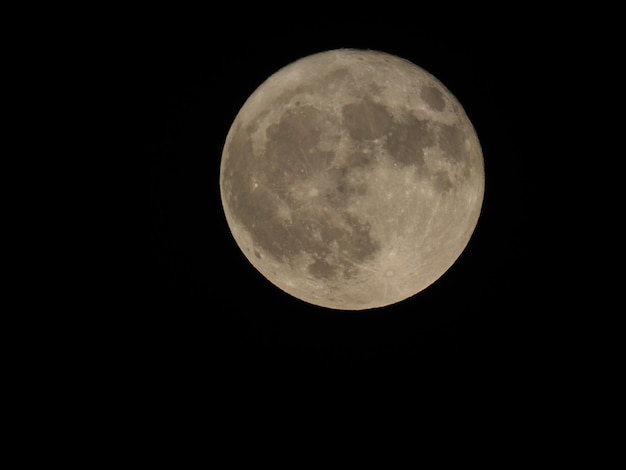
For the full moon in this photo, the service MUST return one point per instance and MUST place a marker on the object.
(352, 179)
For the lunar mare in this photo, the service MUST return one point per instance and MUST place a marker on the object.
(352, 179)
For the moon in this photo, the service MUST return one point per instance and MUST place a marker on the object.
(352, 179)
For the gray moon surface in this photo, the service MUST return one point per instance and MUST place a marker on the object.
(352, 179)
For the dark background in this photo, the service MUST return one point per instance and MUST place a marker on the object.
(203, 317)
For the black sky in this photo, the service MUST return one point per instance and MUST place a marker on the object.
(201, 308)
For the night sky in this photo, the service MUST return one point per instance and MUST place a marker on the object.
(202, 315)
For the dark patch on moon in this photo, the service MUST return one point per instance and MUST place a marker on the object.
(255, 210)
(406, 141)
(441, 181)
(366, 119)
(268, 181)
(451, 140)
(358, 245)
(353, 247)
(361, 158)
(338, 78)
(292, 156)
(321, 269)
(296, 136)
(343, 187)
(240, 148)
(433, 98)
(339, 189)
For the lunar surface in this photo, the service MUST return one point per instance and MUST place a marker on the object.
(352, 179)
